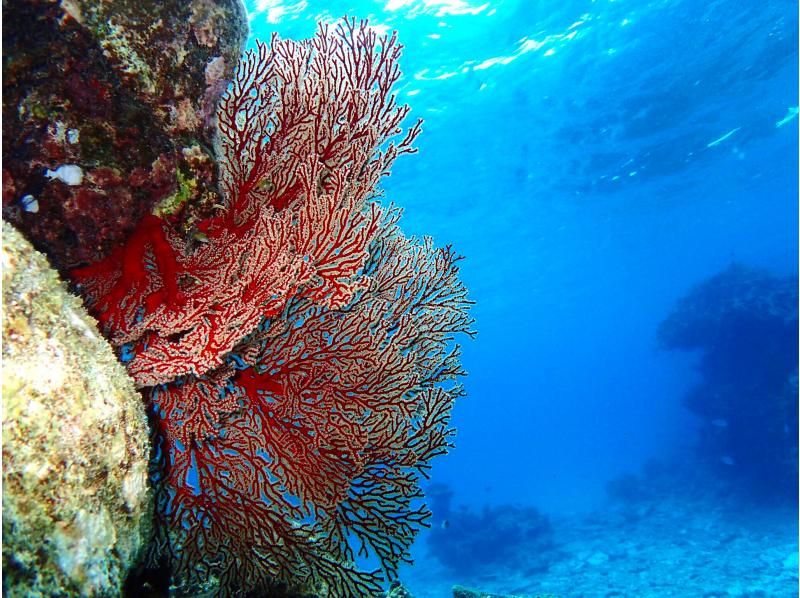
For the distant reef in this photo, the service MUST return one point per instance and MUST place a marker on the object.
(743, 322)
(469, 542)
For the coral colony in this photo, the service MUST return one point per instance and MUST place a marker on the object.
(295, 351)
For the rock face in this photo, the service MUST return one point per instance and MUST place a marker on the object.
(76, 505)
(108, 114)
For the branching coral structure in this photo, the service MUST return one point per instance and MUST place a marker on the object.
(296, 349)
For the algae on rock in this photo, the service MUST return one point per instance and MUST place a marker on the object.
(76, 504)
(125, 93)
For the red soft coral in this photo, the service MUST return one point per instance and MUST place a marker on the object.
(296, 349)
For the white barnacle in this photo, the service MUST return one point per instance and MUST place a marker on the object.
(29, 204)
(71, 174)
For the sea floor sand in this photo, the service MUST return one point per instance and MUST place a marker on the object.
(672, 547)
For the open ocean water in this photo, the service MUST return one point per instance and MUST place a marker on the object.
(621, 177)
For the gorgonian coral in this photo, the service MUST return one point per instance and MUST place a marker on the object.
(295, 350)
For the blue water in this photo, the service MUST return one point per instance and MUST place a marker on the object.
(593, 160)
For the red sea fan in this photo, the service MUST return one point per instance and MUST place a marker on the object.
(298, 361)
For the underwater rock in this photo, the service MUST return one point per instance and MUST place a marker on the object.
(598, 558)
(76, 504)
(497, 538)
(462, 592)
(744, 323)
(109, 114)
(398, 590)
(721, 306)
(791, 562)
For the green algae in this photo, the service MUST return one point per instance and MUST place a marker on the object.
(187, 189)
